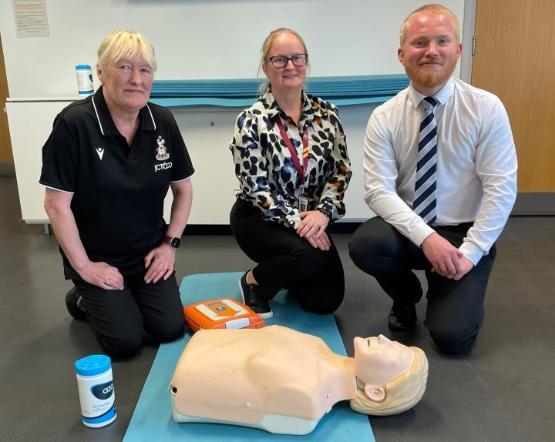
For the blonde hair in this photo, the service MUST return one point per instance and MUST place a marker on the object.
(401, 393)
(121, 44)
(267, 47)
(432, 7)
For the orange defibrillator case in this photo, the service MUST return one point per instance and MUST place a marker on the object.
(221, 313)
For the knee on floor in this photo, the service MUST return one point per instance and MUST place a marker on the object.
(454, 342)
(123, 347)
(168, 331)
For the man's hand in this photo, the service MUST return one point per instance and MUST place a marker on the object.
(101, 275)
(466, 266)
(445, 258)
(159, 262)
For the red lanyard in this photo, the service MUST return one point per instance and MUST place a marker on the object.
(300, 169)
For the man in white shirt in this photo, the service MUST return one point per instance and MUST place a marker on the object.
(440, 173)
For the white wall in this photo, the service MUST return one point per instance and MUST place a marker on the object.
(207, 133)
(197, 39)
(205, 38)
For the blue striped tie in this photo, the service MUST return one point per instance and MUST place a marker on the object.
(424, 203)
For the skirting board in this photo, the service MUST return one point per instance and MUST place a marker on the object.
(527, 204)
(7, 168)
(534, 203)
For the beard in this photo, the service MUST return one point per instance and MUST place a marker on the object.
(431, 78)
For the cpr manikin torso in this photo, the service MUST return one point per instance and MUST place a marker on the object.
(276, 378)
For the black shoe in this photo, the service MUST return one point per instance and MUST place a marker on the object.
(253, 299)
(75, 304)
(402, 317)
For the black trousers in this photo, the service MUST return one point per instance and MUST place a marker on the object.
(455, 310)
(285, 260)
(120, 318)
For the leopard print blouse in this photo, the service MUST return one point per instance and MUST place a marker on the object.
(267, 176)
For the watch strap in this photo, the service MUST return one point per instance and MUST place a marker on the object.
(172, 241)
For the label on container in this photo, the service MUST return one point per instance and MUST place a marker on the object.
(95, 399)
(84, 79)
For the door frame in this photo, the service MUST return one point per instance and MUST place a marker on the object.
(469, 21)
(6, 166)
(527, 203)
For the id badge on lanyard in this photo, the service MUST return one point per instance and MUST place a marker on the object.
(303, 203)
(301, 169)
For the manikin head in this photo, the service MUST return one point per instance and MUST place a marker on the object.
(391, 376)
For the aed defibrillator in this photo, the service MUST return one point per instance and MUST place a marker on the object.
(221, 313)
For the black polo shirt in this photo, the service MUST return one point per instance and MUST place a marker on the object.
(118, 191)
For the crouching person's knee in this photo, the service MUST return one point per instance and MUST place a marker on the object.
(122, 347)
(364, 253)
(454, 342)
(169, 330)
(372, 246)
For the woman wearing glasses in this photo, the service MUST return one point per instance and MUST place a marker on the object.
(293, 169)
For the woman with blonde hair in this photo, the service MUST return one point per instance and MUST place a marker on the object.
(107, 167)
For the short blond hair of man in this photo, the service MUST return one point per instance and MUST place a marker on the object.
(432, 7)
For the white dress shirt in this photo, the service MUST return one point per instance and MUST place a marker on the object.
(476, 164)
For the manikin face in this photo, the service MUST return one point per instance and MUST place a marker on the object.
(378, 361)
(289, 78)
(126, 84)
(430, 50)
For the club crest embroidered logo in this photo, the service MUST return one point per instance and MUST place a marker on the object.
(100, 152)
(161, 151)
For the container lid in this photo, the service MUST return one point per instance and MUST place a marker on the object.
(83, 66)
(92, 365)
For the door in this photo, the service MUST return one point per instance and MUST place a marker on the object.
(515, 59)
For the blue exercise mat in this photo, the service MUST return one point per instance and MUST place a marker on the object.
(152, 419)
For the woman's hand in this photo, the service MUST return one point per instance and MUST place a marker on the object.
(159, 263)
(313, 229)
(58, 207)
(321, 242)
(101, 275)
(313, 223)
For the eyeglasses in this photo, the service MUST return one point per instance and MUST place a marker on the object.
(280, 61)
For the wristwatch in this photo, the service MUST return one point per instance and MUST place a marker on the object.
(325, 212)
(172, 241)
